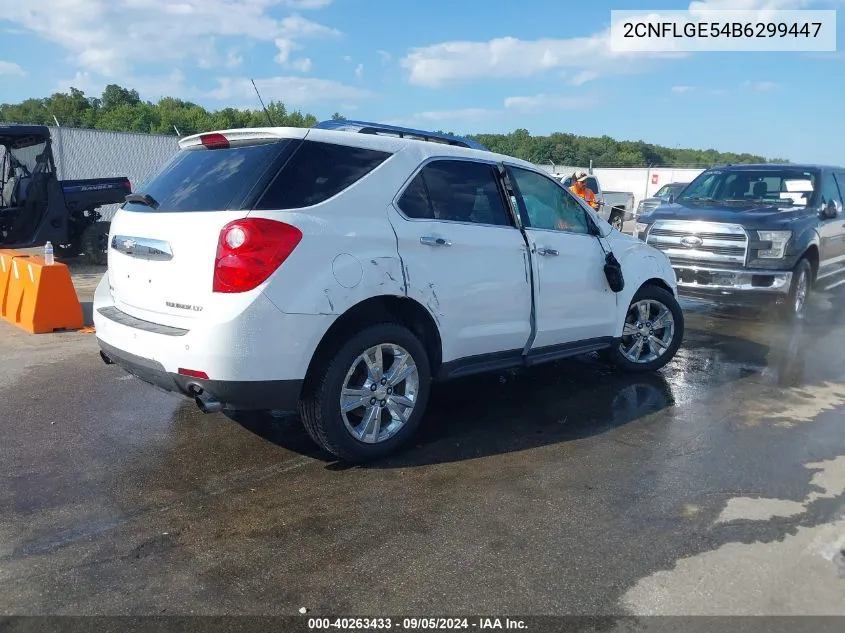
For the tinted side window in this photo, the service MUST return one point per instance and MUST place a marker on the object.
(318, 171)
(829, 189)
(459, 191)
(548, 206)
(415, 202)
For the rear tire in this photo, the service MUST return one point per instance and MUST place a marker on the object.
(655, 318)
(377, 419)
(95, 243)
(795, 308)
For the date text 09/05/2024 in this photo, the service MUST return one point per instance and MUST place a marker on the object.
(415, 624)
(719, 29)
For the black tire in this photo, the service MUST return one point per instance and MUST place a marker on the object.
(617, 219)
(654, 293)
(95, 243)
(793, 309)
(320, 403)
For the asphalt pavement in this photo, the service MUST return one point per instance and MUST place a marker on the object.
(716, 486)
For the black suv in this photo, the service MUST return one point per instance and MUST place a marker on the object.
(754, 234)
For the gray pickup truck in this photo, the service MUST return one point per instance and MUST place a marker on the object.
(615, 207)
(754, 234)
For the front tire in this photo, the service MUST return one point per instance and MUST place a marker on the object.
(368, 399)
(652, 333)
(795, 308)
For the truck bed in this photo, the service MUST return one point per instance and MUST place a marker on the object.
(95, 192)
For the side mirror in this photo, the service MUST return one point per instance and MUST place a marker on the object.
(829, 211)
(670, 199)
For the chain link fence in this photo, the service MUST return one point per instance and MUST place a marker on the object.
(81, 153)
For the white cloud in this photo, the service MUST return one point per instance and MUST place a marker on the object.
(385, 57)
(509, 57)
(583, 77)
(303, 65)
(233, 59)
(306, 4)
(359, 71)
(291, 90)
(150, 87)
(444, 116)
(761, 86)
(549, 102)
(113, 37)
(347, 58)
(682, 89)
(11, 68)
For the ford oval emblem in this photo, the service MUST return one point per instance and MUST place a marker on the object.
(691, 241)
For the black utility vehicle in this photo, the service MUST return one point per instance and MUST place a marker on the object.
(759, 234)
(36, 207)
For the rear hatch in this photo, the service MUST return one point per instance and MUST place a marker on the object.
(164, 240)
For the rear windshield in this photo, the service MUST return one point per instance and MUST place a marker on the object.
(249, 176)
(210, 179)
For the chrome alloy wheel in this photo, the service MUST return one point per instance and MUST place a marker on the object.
(379, 393)
(800, 293)
(648, 332)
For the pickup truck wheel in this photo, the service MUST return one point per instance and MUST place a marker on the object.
(652, 333)
(795, 307)
(617, 220)
(95, 243)
(369, 398)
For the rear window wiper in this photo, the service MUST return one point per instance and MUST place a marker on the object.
(142, 198)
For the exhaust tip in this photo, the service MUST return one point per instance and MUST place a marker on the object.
(106, 359)
(206, 405)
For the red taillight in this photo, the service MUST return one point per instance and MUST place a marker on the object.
(193, 373)
(214, 141)
(250, 250)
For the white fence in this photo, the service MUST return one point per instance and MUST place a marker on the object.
(643, 182)
(82, 153)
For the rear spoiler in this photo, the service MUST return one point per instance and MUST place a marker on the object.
(240, 137)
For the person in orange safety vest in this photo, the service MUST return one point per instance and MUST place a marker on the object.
(580, 189)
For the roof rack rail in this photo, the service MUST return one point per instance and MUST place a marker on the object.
(365, 127)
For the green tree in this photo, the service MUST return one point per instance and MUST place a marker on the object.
(121, 109)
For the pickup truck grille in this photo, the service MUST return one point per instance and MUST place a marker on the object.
(700, 243)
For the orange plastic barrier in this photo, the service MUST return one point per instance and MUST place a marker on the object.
(41, 298)
(5, 276)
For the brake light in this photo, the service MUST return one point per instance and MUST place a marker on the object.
(249, 251)
(193, 373)
(214, 141)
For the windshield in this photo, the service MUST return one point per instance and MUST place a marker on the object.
(20, 161)
(782, 187)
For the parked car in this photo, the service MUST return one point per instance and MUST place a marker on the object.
(758, 234)
(37, 207)
(667, 193)
(615, 207)
(342, 273)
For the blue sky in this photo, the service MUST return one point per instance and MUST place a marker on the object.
(461, 65)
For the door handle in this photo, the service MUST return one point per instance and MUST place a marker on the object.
(547, 251)
(430, 240)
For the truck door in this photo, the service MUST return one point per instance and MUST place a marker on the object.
(465, 259)
(832, 233)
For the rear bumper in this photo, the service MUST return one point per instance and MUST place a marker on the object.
(280, 395)
(745, 286)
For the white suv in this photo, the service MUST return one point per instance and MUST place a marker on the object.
(342, 271)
